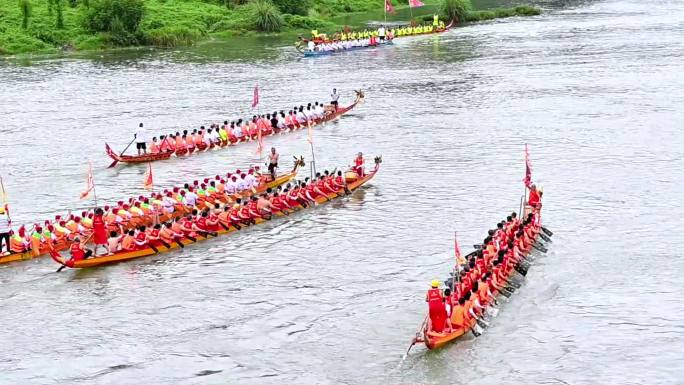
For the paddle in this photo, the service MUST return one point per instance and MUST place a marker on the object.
(153, 248)
(505, 293)
(207, 233)
(540, 248)
(547, 231)
(544, 237)
(521, 270)
(121, 153)
(164, 243)
(415, 338)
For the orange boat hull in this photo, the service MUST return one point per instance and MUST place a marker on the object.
(125, 256)
(15, 257)
(118, 158)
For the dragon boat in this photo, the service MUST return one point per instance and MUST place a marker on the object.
(144, 158)
(158, 247)
(263, 186)
(300, 45)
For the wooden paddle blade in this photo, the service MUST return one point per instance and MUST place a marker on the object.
(547, 231)
(114, 163)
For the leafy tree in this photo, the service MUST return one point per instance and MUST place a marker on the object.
(25, 6)
(59, 21)
(266, 16)
(294, 7)
(456, 10)
(114, 16)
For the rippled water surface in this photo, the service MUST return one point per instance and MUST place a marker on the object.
(333, 295)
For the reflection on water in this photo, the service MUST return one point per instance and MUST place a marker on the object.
(334, 294)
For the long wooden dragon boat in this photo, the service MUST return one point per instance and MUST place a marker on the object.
(161, 248)
(433, 340)
(120, 158)
(45, 248)
(300, 45)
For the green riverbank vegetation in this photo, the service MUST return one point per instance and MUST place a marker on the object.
(49, 26)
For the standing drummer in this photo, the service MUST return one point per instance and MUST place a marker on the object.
(140, 140)
(334, 98)
(273, 162)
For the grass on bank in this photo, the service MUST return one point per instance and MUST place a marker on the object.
(45, 26)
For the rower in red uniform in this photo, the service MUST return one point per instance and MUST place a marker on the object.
(78, 251)
(141, 238)
(201, 224)
(533, 198)
(358, 165)
(154, 234)
(436, 308)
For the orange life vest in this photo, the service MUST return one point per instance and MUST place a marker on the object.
(457, 315)
(128, 243)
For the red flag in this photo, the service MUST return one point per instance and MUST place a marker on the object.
(388, 6)
(90, 182)
(255, 97)
(457, 251)
(415, 3)
(528, 169)
(149, 180)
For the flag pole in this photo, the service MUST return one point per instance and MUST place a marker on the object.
(94, 188)
(4, 202)
(385, 7)
(524, 195)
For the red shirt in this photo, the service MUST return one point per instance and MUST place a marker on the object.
(201, 223)
(77, 253)
(533, 199)
(100, 230)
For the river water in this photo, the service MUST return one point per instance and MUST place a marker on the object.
(333, 295)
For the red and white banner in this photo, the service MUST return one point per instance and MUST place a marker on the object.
(457, 251)
(528, 168)
(90, 182)
(415, 3)
(149, 180)
(255, 97)
(388, 6)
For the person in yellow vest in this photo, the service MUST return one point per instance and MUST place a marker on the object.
(435, 20)
(314, 33)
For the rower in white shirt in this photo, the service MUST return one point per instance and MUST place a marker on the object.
(237, 131)
(232, 185)
(250, 179)
(190, 198)
(320, 110)
(213, 136)
(311, 45)
(301, 117)
(168, 203)
(242, 183)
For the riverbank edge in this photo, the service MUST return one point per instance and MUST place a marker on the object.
(98, 42)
